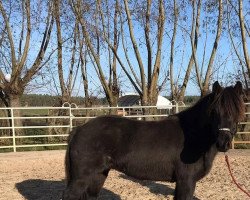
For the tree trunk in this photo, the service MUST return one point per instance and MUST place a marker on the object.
(171, 67)
(243, 37)
(14, 101)
(205, 87)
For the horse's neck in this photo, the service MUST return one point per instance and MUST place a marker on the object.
(210, 156)
(207, 160)
(194, 118)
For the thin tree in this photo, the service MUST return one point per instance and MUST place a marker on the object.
(66, 85)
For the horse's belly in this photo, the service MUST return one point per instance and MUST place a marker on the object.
(147, 168)
(150, 175)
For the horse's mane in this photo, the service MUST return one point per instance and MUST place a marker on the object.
(229, 102)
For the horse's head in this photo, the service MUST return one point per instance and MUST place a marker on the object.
(227, 109)
(211, 121)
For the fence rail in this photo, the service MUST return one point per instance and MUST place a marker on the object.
(50, 126)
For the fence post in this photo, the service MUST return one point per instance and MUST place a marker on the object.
(13, 129)
(177, 107)
(70, 119)
(123, 112)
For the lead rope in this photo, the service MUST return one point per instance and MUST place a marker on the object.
(235, 182)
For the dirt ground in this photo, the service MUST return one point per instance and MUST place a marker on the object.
(40, 176)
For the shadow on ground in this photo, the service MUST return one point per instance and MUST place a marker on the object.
(37, 189)
(154, 187)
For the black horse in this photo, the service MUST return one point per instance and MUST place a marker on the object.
(180, 148)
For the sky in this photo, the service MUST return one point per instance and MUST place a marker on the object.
(224, 58)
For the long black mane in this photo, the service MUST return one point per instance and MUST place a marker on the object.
(226, 102)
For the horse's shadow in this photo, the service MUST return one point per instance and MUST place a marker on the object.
(37, 189)
(154, 187)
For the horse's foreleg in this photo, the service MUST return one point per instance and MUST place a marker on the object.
(88, 177)
(86, 188)
(184, 189)
(76, 190)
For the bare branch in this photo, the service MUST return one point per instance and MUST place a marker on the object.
(12, 47)
(27, 41)
(78, 13)
(126, 55)
(245, 25)
(22, 32)
(173, 92)
(70, 76)
(242, 63)
(194, 43)
(214, 50)
(43, 47)
(137, 54)
(243, 37)
(148, 42)
(114, 50)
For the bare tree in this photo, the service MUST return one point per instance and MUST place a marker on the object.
(21, 69)
(177, 92)
(149, 85)
(110, 88)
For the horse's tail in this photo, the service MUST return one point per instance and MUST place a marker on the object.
(67, 157)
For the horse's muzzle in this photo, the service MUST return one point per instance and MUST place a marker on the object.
(224, 140)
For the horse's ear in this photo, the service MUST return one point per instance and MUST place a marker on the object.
(216, 87)
(239, 88)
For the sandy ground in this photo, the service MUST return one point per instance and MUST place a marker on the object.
(40, 176)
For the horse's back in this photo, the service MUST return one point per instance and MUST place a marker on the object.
(102, 135)
(123, 134)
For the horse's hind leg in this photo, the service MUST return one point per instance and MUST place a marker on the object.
(96, 182)
(98, 176)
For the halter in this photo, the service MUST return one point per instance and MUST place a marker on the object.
(224, 129)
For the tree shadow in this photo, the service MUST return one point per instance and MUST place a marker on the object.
(37, 189)
(154, 187)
